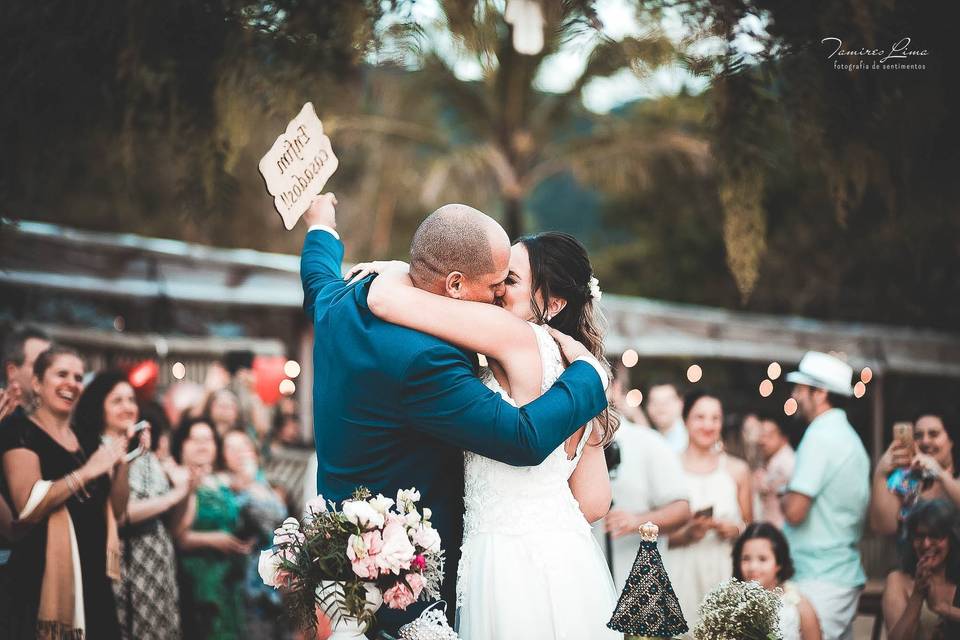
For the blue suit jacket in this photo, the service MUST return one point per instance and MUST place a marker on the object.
(395, 408)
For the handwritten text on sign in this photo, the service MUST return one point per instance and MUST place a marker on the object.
(298, 165)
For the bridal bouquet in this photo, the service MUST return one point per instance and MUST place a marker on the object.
(335, 564)
(739, 611)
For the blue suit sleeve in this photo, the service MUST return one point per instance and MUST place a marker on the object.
(319, 267)
(444, 398)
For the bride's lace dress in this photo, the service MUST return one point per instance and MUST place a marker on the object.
(530, 567)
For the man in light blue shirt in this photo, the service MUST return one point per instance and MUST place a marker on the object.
(826, 502)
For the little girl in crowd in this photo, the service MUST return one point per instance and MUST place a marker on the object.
(761, 554)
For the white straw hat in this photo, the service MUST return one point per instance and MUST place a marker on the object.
(823, 371)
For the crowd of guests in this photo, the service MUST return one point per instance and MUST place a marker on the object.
(743, 503)
(112, 530)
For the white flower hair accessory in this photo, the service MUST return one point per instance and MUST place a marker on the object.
(594, 287)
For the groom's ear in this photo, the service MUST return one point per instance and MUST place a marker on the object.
(454, 285)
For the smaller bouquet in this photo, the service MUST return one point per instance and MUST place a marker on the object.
(739, 611)
(341, 565)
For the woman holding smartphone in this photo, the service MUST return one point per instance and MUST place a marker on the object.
(147, 595)
(698, 557)
(924, 451)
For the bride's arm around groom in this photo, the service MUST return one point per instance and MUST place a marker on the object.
(442, 396)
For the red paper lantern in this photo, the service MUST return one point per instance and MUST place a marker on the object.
(268, 371)
(143, 378)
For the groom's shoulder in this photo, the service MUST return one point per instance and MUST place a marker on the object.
(410, 346)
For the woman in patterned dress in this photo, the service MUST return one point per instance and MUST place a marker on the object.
(147, 596)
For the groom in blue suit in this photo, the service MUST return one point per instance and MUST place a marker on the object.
(395, 408)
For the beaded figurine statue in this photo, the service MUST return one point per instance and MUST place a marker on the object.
(648, 606)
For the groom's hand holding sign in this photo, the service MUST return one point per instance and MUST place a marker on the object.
(322, 211)
(298, 165)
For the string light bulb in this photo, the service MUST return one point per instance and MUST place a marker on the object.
(766, 388)
(790, 406)
(634, 398)
(291, 369)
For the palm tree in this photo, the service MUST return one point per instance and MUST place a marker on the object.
(501, 135)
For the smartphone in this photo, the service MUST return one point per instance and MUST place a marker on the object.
(706, 512)
(135, 450)
(903, 433)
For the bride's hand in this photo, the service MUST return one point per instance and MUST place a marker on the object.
(363, 269)
(571, 348)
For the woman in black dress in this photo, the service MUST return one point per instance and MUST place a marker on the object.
(69, 493)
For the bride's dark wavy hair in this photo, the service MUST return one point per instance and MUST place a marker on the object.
(560, 268)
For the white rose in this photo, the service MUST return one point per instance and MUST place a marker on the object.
(361, 513)
(381, 503)
(412, 519)
(427, 538)
(269, 566)
(427, 513)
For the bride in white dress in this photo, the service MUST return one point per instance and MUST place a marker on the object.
(530, 567)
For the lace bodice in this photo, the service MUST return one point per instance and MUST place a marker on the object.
(517, 500)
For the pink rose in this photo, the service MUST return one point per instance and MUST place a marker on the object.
(416, 582)
(363, 551)
(401, 596)
(285, 579)
(419, 563)
(397, 552)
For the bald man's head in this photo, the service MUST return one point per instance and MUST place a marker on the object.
(460, 252)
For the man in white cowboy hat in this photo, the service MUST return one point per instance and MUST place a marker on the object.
(826, 501)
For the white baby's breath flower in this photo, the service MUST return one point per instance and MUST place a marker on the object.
(743, 610)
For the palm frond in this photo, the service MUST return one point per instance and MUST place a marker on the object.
(622, 162)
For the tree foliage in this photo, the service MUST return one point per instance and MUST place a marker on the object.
(835, 186)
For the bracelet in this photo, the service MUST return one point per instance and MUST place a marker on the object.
(82, 488)
(74, 485)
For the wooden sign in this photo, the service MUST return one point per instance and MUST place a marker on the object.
(298, 165)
